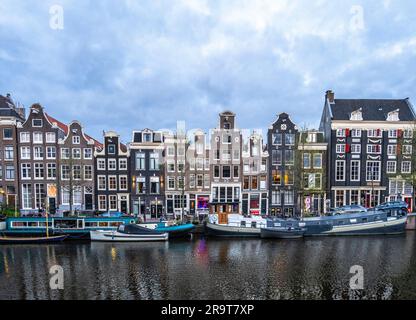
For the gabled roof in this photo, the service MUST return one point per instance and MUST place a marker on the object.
(65, 129)
(7, 108)
(372, 109)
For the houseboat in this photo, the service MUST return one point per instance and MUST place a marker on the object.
(74, 227)
(372, 222)
(236, 225)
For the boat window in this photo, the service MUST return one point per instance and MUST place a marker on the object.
(242, 223)
(277, 224)
(33, 224)
(115, 224)
(19, 224)
(80, 224)
(364, 220)
(253, 224)
(103, 224)
(341, 222)
(91, 224)
(353, 220)
(43, 224)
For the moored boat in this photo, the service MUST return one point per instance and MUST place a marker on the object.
(128, 233)
(74, 227)
(174, 230)
(29, 240)
(282, 232)
(236, 226)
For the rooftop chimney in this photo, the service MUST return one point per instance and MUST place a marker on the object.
(330, 96)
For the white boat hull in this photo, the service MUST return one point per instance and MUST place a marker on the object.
(114, 236)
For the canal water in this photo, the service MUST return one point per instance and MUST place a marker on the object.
(198, 268)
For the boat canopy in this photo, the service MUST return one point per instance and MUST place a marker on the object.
(135, 229)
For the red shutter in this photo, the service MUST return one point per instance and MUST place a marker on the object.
(347, 148)
(378, 132)
(347, 132)
(399, 133)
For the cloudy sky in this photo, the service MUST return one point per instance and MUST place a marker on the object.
(129, 64)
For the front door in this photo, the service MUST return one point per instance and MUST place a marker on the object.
(88, 202)
(123, 206)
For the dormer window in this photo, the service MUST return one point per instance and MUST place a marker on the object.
(147, 137)
(356, 115)
(393, 115)
(311, 137)
(227, 125)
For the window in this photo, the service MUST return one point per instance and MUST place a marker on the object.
(355, 170)
(254, 183)
(102, 182)
(263, 182)
(226, 154)
(356, 115)
(8, 153)
(140, 185)
(306, 160)
(391, 149)
(199, 148)
(356, 148)
(102, 203)
(199, 164)
(373, 171)
(87, 153)
(391, 166)
(217, 154)
(65, 172)
(50, 152)
(7, 134)
(206, 181)
(407, 149)
(122, 164)
(181, 166)
(289, 157)
(147, 137)
(171, 166)
(406, 167)
(374, 148)
(276, 138)
(374, 133)
(112, 183)
(111, 149)
(226, 172)
(171, 183)
(112, 164)
(27, 196)
(236, 154)
(140, 161)
(88, 172)
(154, 161)
(1, 172)
(65, 153)
(37, 123)
(26, 171)
(277, 177)
(101, 164)
(37, 137)
(289, 177)
(340, 148)
(181, 151)
(236, 172)
(354, 197)
(392, 133)
(155, 187)
(340, 133)
(50, 137)
(289, 198)
(39, 170)
(123, 182)
(24, 137)
(246, 183)
(289, 139)
(339, 198)
(216, 171)
(38, 153)
(171, 151)
(276, 157)
(317, 160)
(112, 202)
(76, 172)
(408, 134)
(226, 138)
(393, 116)
(276, 198)
(77, 195)
(9, 172)
(76, 140)
(76, 153)
(51, 170)
(312, 137)
(355, 133)
(340, 170)
(192, 181)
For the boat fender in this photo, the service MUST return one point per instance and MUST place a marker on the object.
(214, 219)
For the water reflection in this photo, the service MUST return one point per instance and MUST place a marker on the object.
(314, 268)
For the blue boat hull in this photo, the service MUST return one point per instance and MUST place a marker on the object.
(177, 231)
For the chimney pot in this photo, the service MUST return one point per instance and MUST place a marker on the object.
(330, 96)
